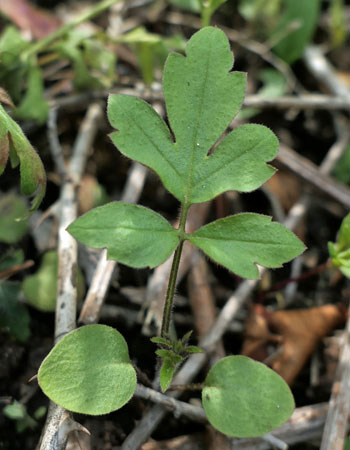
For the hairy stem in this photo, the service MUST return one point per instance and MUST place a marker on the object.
(169, 299)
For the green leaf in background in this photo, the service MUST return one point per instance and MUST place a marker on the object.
(18, 412)
(202, 97)
(13, 315)
(133, 235)
(151, 49)
(33, 105)
(208, 7)
(337, 14)
(244, 398)
(274, 85)
(260, 12)
(12, 207)
(240, 242)
(305, 15)
(40, 289)
(12, 68)
(187, 5)
(145, 46)
(340, 250)
(89, 371)
(11, 258)
(93, 63)
(33, 177)
(15, 410)
(341, 170)
(101, 60)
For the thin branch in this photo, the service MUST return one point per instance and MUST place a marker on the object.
(55, 146)
(300, 102)
(305, 169)
(55, 433)
(324, 72)
(339, 407)
(179, 408)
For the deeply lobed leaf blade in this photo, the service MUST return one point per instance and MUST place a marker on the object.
(144, 137)
(240, 242)
(202, 96)
(133, 235)
(238, 163)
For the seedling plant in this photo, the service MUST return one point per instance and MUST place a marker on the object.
(89, 370)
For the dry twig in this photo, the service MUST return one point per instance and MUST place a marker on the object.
(59, 422)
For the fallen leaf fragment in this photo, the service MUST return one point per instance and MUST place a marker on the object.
(299, 330)
(27, 17)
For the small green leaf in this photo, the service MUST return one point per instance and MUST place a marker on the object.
(132, 234)
(40, 289)
(240, 242)
(305, 13)
(169, 354)
(193, 349)
(15, 411)
(343, 240)
(186, 337)
(160, 340)
(33, 105)
(341, 170)
(14, 316)
(340, 251)
(33, 177)
(12, 207)
(187, 5)
(11, 258)
(89, 371)
(166, 373)
(244, 398)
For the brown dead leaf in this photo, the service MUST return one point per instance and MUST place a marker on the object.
(5, 98)
(87, 192)
(257, 334)
(27, 17)
(299, 330)
(286, 187)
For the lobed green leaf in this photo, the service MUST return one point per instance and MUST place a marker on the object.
(133, 235)
(89, 371)
(245, 398)
(202, 96)
(240, 242)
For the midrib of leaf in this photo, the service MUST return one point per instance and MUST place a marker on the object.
(240, 240)
(123, 227)
(159, 151)
(194, 140)
(231, 162)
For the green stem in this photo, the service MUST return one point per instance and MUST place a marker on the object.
(205, 16)
(92, 12)
(169, 299)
